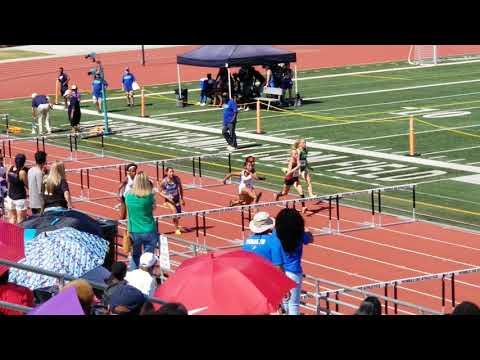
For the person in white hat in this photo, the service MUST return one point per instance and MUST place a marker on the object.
(142, 278)
(261, 242)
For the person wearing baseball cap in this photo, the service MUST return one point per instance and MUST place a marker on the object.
(261, 242)
(126, 300)
(142, 278)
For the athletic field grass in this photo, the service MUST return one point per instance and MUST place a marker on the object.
(355, 120)
(17, 54)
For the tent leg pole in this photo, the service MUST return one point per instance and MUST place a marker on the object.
(178, 79)
(296, 80)
(229, 83)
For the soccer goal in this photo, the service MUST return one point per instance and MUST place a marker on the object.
(423, 55)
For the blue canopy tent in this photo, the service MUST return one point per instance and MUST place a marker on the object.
(235, 55)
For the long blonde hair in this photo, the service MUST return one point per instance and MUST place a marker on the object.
(141, 185)
(296, 144)
(55, 176)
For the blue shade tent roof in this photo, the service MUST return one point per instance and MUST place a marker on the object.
(235, 55)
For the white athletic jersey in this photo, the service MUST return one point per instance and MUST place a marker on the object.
(128, 186)
(245, 181)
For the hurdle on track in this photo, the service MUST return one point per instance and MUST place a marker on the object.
(198, 167)
(13, 145)
(443, 276)
(344, 211)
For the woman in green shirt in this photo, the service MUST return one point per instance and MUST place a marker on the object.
(140, 203)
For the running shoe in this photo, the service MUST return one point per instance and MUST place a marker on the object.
(178, 232)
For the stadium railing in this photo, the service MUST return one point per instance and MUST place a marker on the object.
(318, 296)
(61, 281)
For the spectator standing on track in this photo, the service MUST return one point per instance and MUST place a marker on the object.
(261, 242)
(14, 294)
(35, 180)
(74, 112)
(97, 93)
(290, 229)
(370, 306)
(16, 201)
(127, 81)
(41, 107)
(3, 186)
(230, 113)
(55, 190)
(287, 82)
(140, 203)
(171, 190)
(63, 79)
(143, 278)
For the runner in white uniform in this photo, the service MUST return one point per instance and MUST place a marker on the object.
(126, 186)
(246, 188)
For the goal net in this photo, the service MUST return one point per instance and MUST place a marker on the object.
(423, 55)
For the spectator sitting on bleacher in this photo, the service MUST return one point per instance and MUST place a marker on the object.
(126, 300)
(85, 294)
(172, 309)
(117, 277)
(466, 308)
(370, 306)
(15, 294)
(142, 278)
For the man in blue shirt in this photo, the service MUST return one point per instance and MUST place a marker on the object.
(41, 112)
(127, 81)
(230, 112)
(262, 242)
(97, 93)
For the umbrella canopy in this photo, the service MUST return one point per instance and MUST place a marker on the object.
(227, 283)
(11, 244)
(65, 303)
(53, 220)
(235, 55)
(67, 251)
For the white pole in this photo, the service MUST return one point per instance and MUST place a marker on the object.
(229, 82)
(178, 79)
(435, 54)
(296, 80)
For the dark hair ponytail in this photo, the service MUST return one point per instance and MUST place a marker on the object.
(290, 227)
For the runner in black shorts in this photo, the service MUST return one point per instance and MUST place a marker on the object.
(292, 173)
(63, 79)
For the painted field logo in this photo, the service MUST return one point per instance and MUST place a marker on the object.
(430, 113)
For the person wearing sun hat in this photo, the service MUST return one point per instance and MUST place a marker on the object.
(261, 242)
(142, 278)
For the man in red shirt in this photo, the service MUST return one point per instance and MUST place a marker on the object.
(15, 294)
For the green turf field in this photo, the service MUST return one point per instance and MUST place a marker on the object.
(17, 54)
(355, 123)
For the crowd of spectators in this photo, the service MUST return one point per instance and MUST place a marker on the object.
(35, 190)
(247, 84)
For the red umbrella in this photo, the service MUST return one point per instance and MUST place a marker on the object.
(227, 283)
(11, 243)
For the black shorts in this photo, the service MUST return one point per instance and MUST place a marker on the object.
(289, 181)
(176, 203)
(63, 89)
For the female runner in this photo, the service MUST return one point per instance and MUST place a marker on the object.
(171, 190)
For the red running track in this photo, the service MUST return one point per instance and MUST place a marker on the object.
(22, 78)
(354, 258)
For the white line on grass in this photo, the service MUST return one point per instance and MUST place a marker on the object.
(452, 150)
(395, 89)
(313, 145)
